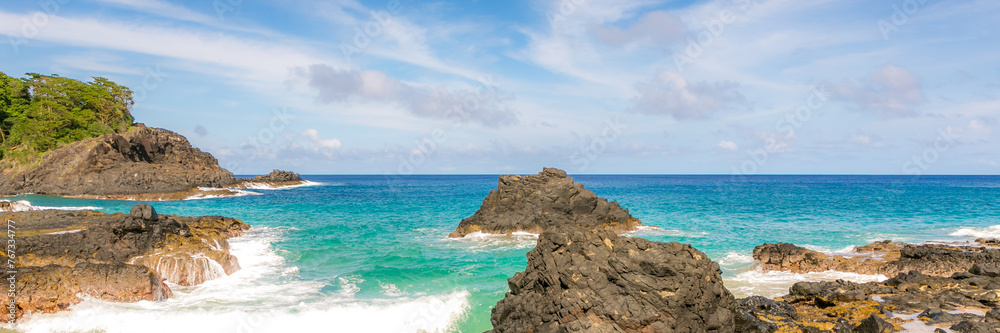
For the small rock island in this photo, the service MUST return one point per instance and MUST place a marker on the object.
(548, 200)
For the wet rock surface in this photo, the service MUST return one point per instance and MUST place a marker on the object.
(119, 257)
(885, 258)
(548, 200)
(594, 280)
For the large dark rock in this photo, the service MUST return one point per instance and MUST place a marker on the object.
(593, 280)
(548, 200)
(141, 160)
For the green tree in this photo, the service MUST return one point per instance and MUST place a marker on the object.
(43, 112)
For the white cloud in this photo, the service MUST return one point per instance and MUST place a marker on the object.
(321, 144)
(669, 93)
(483, 106)
(891, 91)
(728, 145)
(657, 28)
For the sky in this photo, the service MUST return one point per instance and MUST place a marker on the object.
(735, 87)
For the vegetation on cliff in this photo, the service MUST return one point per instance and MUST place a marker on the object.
(43, 112)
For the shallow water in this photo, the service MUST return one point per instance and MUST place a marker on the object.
(371, 253)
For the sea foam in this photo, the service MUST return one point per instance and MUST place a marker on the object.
(262, 297)
(987, 232)
(776, 283)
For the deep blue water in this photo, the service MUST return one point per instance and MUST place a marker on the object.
(374, 249)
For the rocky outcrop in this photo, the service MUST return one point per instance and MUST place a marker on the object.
(277, 176)
(144, 163)
(885, 258)
(593, 280)
(54, 288)
(143, 160)
(135, 252)
(548, 200)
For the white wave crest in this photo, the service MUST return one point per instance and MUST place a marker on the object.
(269, 186)
(734, 258)
(987, 232)
(25, 205)
(484, 241)
(776, 283)
(233, 193)
(261, 297)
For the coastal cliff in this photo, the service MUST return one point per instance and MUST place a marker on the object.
(142, 160)
(548, 200)
(117, 257)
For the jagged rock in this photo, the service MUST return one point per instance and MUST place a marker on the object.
(63, 244)
(53, 288)
(985, 270)
(885, 258)
(593, 280)
(548, 200)
(143, 211)
(874, 324)
(757, 314)
(969, 326)
(141, 160)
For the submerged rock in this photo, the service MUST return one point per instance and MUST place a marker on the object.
(548, 200)
(596, 281)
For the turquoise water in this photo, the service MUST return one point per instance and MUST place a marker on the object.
(371, 253)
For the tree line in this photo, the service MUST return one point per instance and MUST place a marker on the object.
(39, 113)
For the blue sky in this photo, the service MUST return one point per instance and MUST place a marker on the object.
(487, 87)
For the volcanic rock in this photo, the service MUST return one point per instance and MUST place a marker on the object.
(593, 280)
(885, 258)
(548, 200)
(278, 176)
(116, 256)
(141, 160)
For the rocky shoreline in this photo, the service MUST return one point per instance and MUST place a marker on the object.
(585, 277)
(115, 257)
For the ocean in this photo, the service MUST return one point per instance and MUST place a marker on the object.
(371, 253)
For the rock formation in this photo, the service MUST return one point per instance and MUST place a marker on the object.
(885, 258)
(596, 281)
(116, 257)
(548, 200)
(144, 163)
(142, 160)
(277, 176)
